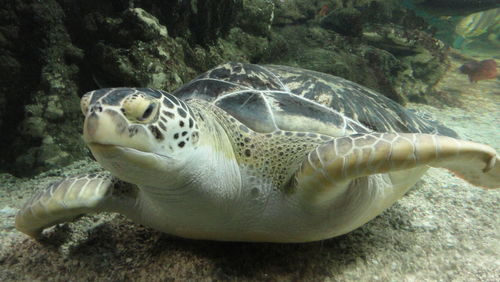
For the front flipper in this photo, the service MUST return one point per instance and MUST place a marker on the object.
(330, 168)
(67, 199)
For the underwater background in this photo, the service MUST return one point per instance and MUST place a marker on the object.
(439, 58)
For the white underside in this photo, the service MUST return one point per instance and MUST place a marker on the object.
(217, 204)
(271, 216)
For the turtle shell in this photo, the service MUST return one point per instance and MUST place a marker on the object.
(271, 97)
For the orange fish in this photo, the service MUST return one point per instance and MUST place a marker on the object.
(482, 70)
(324, 11)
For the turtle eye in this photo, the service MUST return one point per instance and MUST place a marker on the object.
(139, 109)
(147, 113)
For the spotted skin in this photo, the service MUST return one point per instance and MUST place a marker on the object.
(171, 124)
(269, 159)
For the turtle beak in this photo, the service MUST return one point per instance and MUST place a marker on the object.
(90, 128)
(108, 127)
(103, 127)
(131, 165)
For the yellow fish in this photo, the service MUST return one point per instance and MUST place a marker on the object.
(478, 24)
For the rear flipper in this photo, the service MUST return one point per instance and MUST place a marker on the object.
(67, 199)
(329, 168)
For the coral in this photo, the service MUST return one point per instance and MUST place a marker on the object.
(41, 94)
(346, 21)
(423, 59)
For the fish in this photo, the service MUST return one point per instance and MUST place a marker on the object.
(477, 24)
(453, 7)
(486, 69)
(324, 10)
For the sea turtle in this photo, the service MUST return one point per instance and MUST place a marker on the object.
(253, 153)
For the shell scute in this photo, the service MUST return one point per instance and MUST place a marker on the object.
(270, 98)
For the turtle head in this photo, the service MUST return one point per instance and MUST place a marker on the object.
(139, 132)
